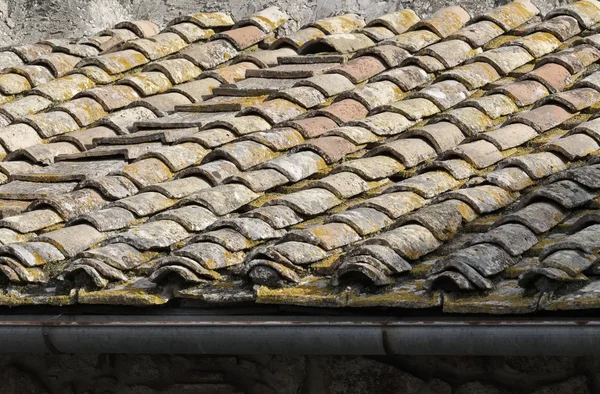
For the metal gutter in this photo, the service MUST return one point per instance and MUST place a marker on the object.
(297, 335)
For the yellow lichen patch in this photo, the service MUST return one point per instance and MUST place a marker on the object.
(316, 292)
(499, 41)
(121, 296)
(407, 295)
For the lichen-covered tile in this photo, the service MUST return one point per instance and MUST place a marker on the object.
(536, 165)
(73, 239)
(342, 184)
(13, 84)
(364, 221)
(553, 76)
(116, 62)
(205, 19)
(223, 199)
(507, 297)
(244, 154)
(277, 216)
(18, 136)
(314, 126)
(305, 96)
(328, 84)
(31, 221)
(470, 120)
(32, 254)
(72, 204)
(445, 21)
(215, 172)
(20, 190)
(266, 58)
(444, 220)
(179, 188)
(524, 93)
(210, 54)
(441, 135)
(151, 235)
(480, 154)
(308, 202)
(574, 59)
(147, 172)
(107, 219)
(510, 136)
(512, 179)
(479, 33)
(251, 228)
(192, 217)
(376, 94)
(575, 99)
(44, 153)
(574, 147)
(356, 135)
(483, 199)
(384, 123)
(297, 166)
(394, 204)
(406, 78)
(148, 83)
(177, 157)
(275, 111)
(473, 75)
(511, 15)
(113, 97)
(242, 37)
(561, 26)
(161, 45)
(494, 105)
(397, 22)
(229, 238)
(450, 53)
(413, 109)
(428, 184)
(190, 32)
(539, 217)
(339, 24)
(567, 193)
(259, 180)
(410, 151)
(328, 236)
(372, 168)
(298, 38)
(196, 90)
(543, 118)
(505, 59)
(68, 171)
(84, 110)
(360, 69)
(50, 124)
(210, 255)
(145, 203)
(410, 241)
(444, 94)
(113, 187)
(278, 139)
(24, 106)
(513, 238)
(344, 111)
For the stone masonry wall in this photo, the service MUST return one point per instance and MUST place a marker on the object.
(145, 374)
(26, 21)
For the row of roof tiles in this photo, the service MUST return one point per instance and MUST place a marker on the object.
(346, 150)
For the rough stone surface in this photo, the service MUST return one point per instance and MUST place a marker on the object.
(24, 21)
(263, 374)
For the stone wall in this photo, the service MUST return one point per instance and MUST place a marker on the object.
(145, 374)
(24, 21)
